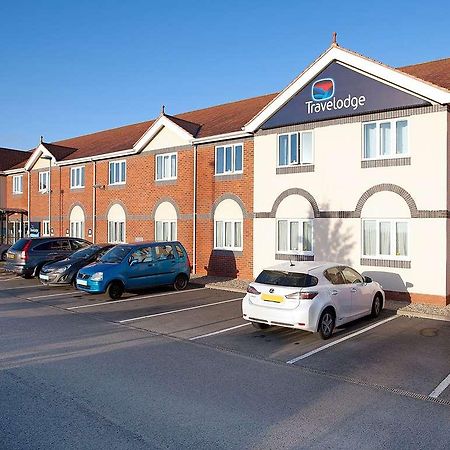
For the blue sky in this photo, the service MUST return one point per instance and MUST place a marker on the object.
(74, 67)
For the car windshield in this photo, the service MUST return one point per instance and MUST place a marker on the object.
(289, 279)
(116, 254)
(86, 252)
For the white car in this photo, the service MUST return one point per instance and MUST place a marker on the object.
(311, 296)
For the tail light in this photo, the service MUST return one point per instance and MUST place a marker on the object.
(252, 290)
(302, 295)
(24, 253)
(189, 263)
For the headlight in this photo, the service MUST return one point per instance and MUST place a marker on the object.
(98, 276)
(61, 269)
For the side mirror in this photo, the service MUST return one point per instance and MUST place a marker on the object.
(367, 280)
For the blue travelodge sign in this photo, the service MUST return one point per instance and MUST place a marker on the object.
(339, 91)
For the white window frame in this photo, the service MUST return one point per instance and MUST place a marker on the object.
(114, 237)
(73, 177)
(299, 161)
(74, 226)
(172, 236)
(393, 147)
(233, 224)
(18, 184)
(163, 176)
(300, 237)
(393, 234)
(117, 167)
(233, 159)
(42, 175)
(46, 228)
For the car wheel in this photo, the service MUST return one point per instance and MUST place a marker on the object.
(115, 290)
(181, 282)
(326, 324)
(37, 271)
(260, 326)
(376, 306)
(4, 256)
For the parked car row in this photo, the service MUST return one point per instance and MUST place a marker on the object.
(100, 268)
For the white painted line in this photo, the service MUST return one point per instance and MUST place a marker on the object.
(23, 287)
(9, 279)
(444, 384)
(338, 341)
(68, 293)
(219, 332)
(179, 310)
(113, 302)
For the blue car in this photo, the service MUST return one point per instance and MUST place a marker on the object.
(129, 267)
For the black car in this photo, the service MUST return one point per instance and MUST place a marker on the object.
(28, 255)
(65, 271)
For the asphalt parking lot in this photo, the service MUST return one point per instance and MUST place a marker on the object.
(409, 356)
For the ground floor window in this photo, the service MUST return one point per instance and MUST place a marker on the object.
(228, 235)
(116, 232)
(46, 228)
(385, 238)
(295, 236)
(77, 229)
(165, 230)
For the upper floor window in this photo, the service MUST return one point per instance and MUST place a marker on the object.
(77, 177)
(166, 166)
(385, 139)
(117, 172)
(295, 236)
(229, 159)
(385, 238)
(44, 181)
(17, 184)
(295, 148)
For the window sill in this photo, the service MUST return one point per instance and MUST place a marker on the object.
(228, 176)
(117, 186)
(17, 193)
(298, 168)
(391, 263)
(293, 257)
(386, 162)
(166, 181)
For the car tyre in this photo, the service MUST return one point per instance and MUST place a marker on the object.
(376, 306)
(181, 282)
(260, 326)
(326, 324)
(114, 290)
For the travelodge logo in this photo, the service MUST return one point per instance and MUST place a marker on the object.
(322, 89)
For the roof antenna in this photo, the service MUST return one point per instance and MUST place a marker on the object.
(291, 264)
(334, 39)
(41, 140)
(163, 110)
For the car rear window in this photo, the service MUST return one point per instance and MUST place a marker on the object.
(19, 245)
(289, 279)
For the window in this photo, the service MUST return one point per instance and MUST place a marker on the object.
(17, 184)
(295, 236)
(45, 228)
(77, 229)
(117, 172)
(77, 177)
(116, 232)
(166, 166)
(165, 230)
(44, 181)
(351, 276)
(385, 139)
(295, 148)
(163, 252)
(385, 238)
(334, 275)
(229, 159)
(142, 255)
(228, 235)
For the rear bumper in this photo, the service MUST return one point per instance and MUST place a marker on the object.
(19, 269)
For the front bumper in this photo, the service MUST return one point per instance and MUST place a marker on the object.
(94, 287)
(54, 278)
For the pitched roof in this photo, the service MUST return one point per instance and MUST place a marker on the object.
(10, 158)
(435, 72)
(59, 151)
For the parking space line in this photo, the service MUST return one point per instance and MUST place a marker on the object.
(113, 302)
(440, 388)
(9, 279)
(23, 287)
(179, 310)
(342, 339)
(219, 332)
(55, 295)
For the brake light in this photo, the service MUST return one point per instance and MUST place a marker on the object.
(189, 263)
(301, 295)
(24, 253)
(252, 290)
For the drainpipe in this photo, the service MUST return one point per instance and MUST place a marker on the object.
(94, 199)
(194, 216)
(28, 200)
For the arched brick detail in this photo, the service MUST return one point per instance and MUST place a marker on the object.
(72, 205)
(230, 196)
(119, 202)
(389, 188)
(295, 191)
(162, 200)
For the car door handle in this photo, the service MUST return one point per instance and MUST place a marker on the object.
(353, 290)
(334, 292)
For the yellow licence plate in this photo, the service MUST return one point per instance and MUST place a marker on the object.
(272, 298)
(10, 255)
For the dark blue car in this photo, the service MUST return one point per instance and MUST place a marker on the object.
(128, 267)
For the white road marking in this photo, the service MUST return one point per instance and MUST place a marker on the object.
(444, 384)
(9, 279)
(22, 287)
(219, 332)
(338, 341)
(179, 310)
(56, 295)
(113, 302)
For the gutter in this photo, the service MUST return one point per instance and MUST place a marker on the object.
(220, 137)
(194, 215)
